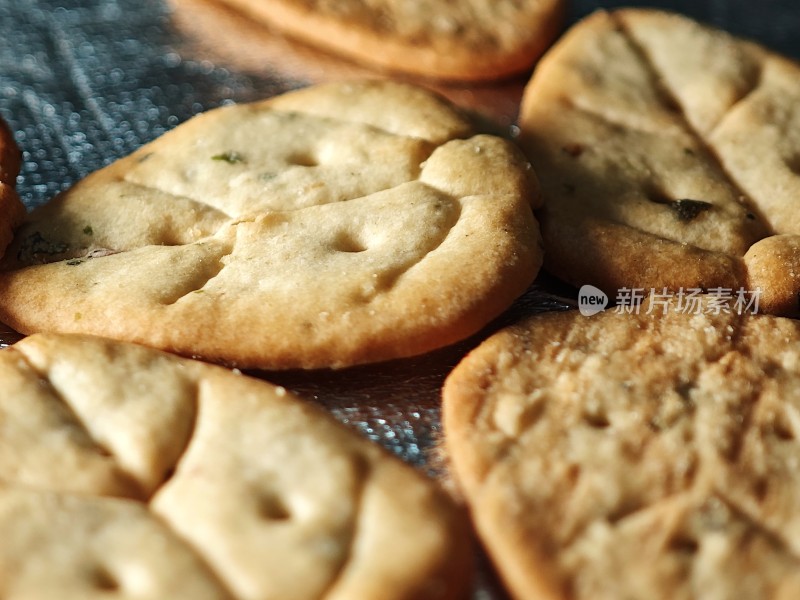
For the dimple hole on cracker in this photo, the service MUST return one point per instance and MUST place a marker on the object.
(625, 509)
(103, 451)
(272, 508)
(684, 544)
(573, 474)
(793, 164)
(782, 429)
(761, 489)
(348, 242)
(305, 159)
(658, 196)
(103, 580)
(168, 474)
(597, 419)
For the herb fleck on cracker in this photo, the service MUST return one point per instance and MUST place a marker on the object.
(88, 230)
(230, 157)
(686, 210)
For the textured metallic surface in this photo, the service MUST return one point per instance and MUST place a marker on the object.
(84, 82)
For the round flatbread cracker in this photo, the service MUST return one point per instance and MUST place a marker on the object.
(471, 40)
(73, 547)
(669, 156)
(336, 225)
(11, 209)
(129, 470)
(634, 456)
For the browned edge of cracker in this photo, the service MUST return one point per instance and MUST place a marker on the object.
(446, 59)
(462, 399)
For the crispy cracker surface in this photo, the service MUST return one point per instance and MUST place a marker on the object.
(129, 470)
(668, 155)
(634, 456)
(472, 40)
(336, 225)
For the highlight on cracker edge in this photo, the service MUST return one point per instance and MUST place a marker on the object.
(692, 301)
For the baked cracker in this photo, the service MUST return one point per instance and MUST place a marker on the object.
(336, 225)
(634, 455)
(75, 547)
(271, 495)
(668, 156)
(470, 40)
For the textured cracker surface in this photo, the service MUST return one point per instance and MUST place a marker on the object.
(472, 40)
(337, 225)
(103, 117)
(668, 153)
(127, 470)
(632, 456)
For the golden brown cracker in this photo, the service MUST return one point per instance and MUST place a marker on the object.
(336, 225)
(634, 455)
(472, 40)
(667, 150)
(260, 494)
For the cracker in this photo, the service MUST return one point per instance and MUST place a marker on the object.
(634, 455)
(65, 547)
(340, 224)
(11, 209)
(271, 495)
(472, 40)
(668, 155)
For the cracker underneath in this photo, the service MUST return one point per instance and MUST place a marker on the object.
(634, 456)
(136, 473)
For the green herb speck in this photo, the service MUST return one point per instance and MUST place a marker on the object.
(74, 261)
(88, 230)
(229, 157)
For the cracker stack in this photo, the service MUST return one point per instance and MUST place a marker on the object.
(645, 452)
(649, 451)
